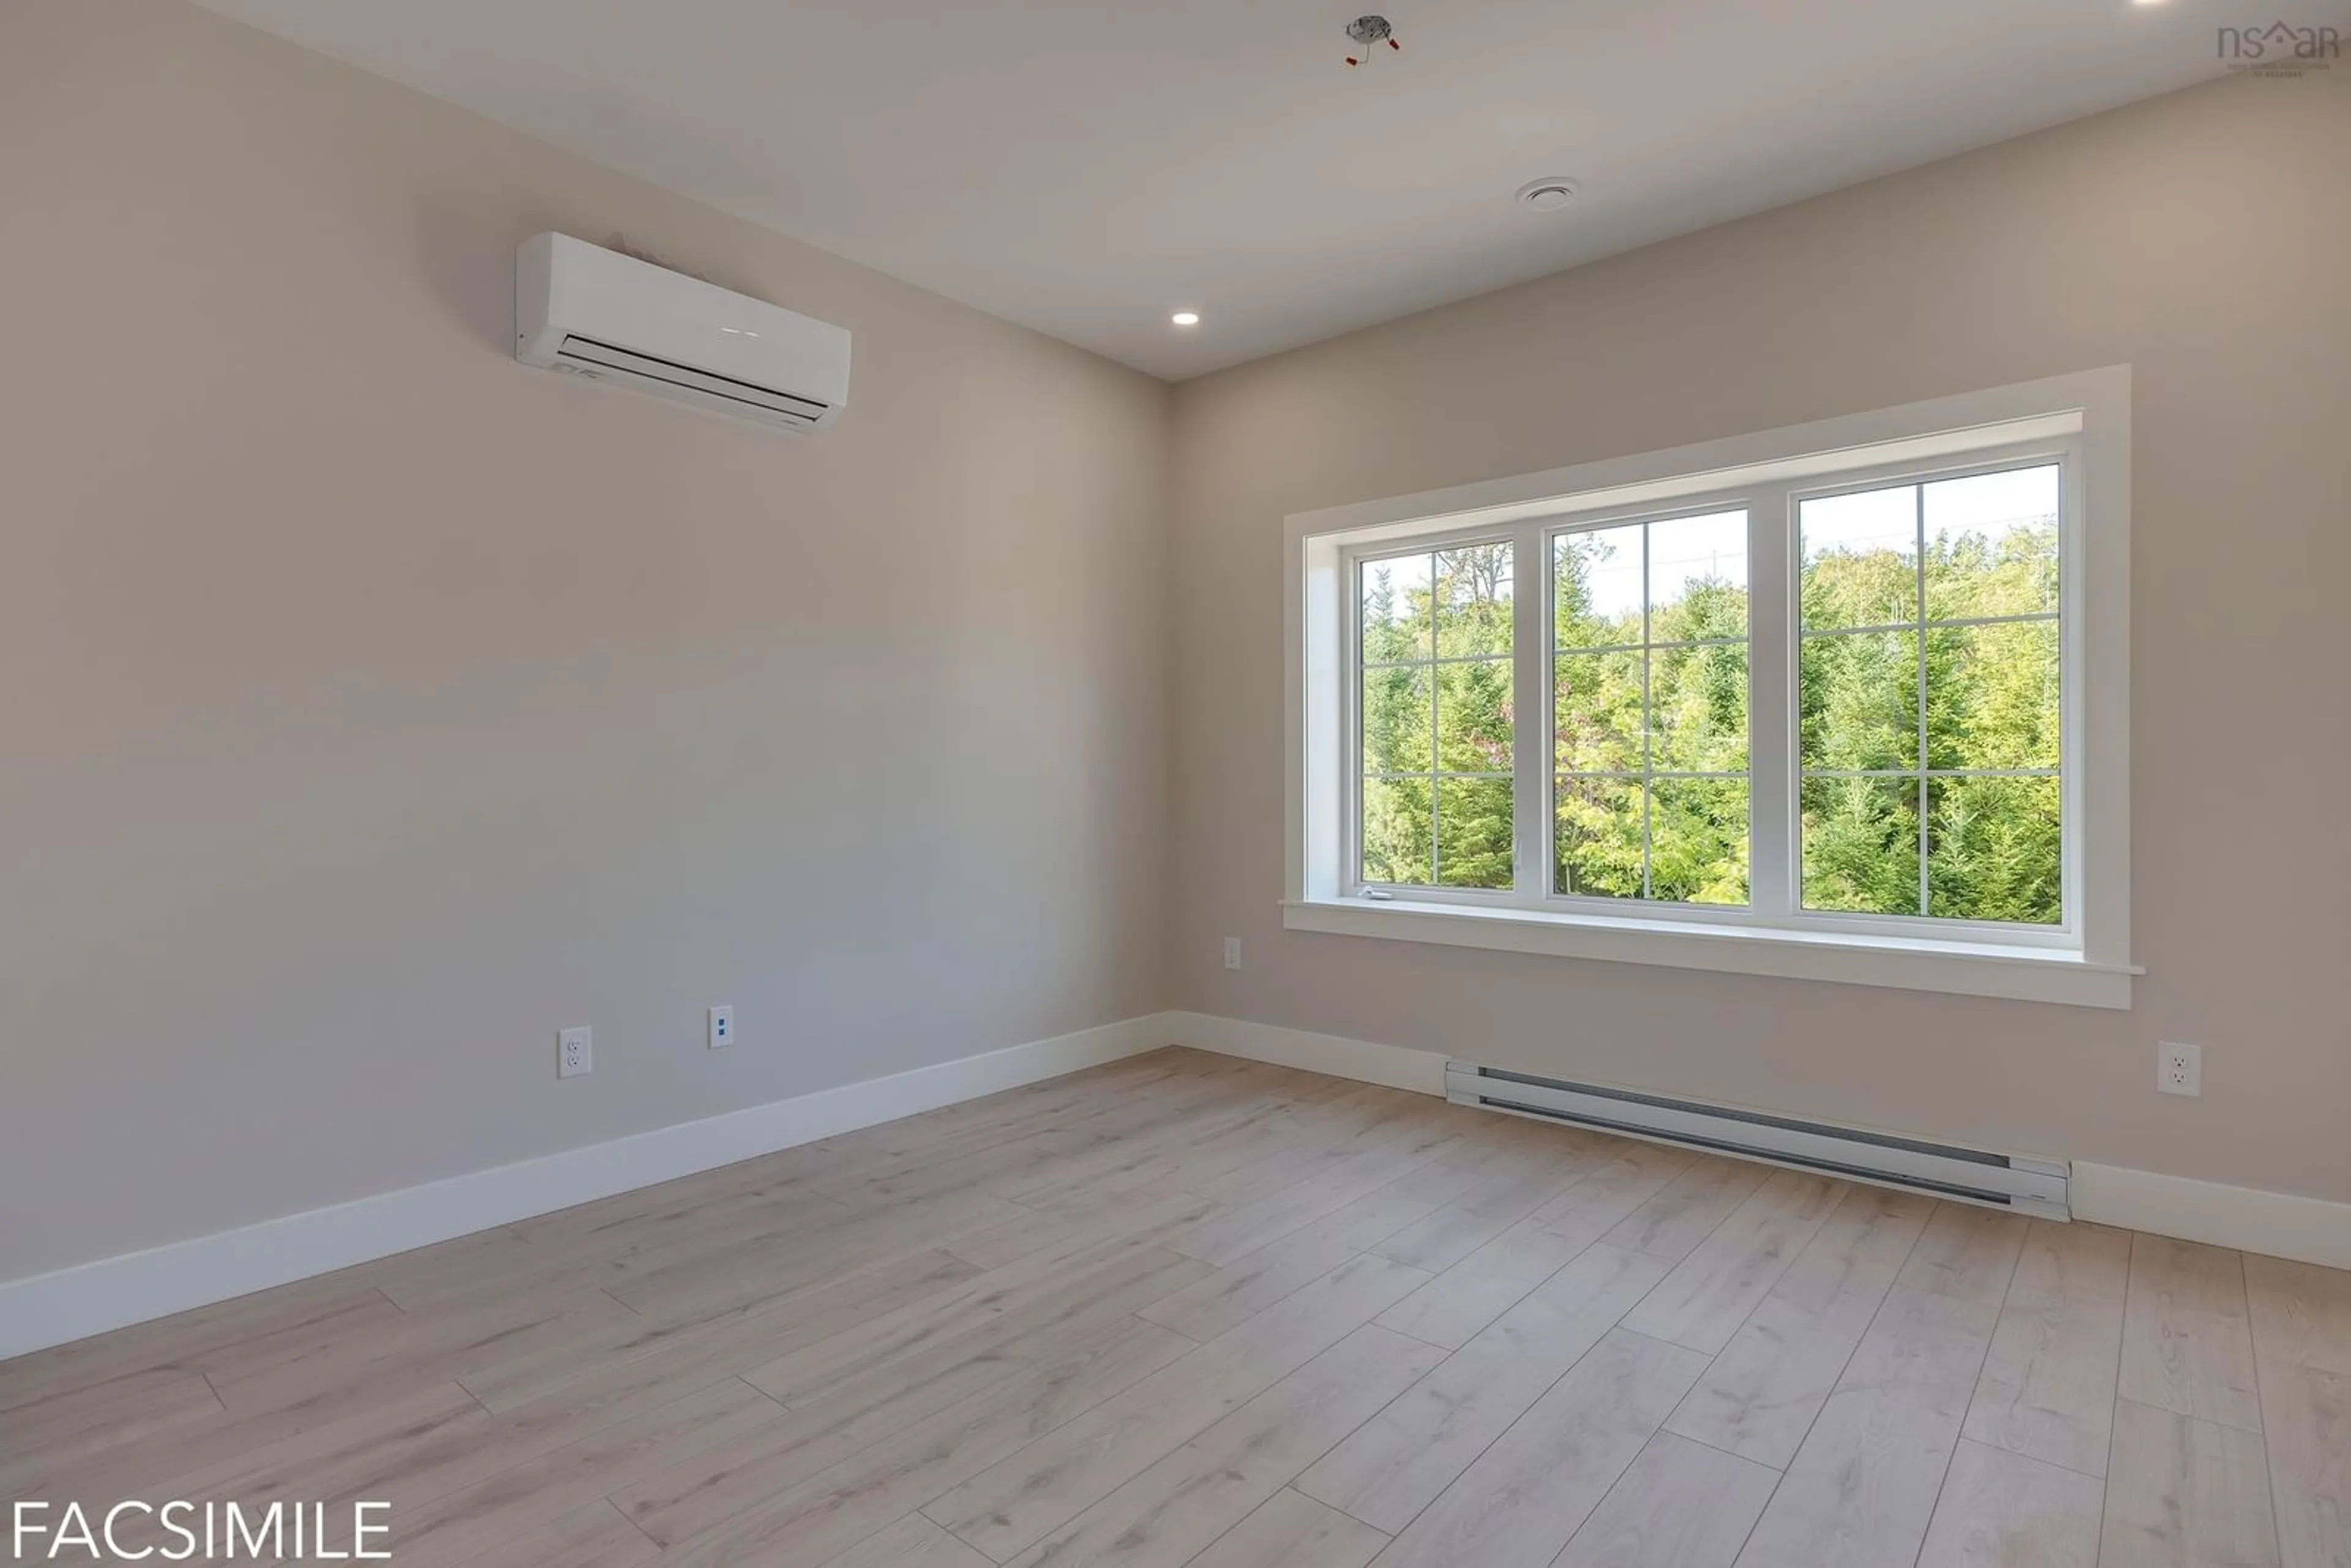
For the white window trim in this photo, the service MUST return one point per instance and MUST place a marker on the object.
(2084, 418)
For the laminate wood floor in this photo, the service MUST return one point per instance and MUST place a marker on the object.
(1186, 1308)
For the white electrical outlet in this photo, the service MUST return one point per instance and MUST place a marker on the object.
(2179, 1069)
(722, 1027)
(575, 1051)
(1232, 952)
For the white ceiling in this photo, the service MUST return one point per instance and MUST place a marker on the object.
(1087, 166)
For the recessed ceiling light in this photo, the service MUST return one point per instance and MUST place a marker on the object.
(1549, 194)
(1185, 317)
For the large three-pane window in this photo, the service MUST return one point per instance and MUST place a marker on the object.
(1839, 703)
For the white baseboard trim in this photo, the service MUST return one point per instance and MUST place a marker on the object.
(2278, 1224)
(1423, 1072)
(2281, 1224)
(91, 1298)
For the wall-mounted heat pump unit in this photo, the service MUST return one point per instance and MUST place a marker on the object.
(597, 313)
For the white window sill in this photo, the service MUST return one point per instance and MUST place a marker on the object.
(2024, 974)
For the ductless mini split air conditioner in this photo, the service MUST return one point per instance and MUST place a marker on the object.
(597, 313)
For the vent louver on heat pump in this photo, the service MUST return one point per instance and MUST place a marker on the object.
(612, 359)
(2015, 1182)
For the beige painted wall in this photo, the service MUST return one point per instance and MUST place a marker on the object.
(371, 706)
(2200, 237)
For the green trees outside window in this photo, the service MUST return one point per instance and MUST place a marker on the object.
(1927, 728)
(1439, 719)
(1928, 701)
(1649, 640)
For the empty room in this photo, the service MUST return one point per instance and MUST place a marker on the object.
(1086, 784)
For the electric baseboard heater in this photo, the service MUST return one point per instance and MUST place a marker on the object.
(2018, 1182)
